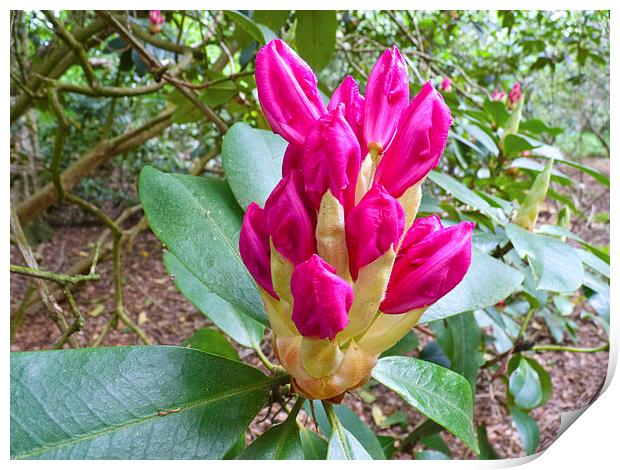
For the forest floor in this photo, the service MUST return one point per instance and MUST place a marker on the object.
(168, 318)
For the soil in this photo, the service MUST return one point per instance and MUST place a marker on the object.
(167, 317)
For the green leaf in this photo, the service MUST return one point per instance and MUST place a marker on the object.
(460, 339)
(406, 344)
(240, 327)
(432, 352)
(555, 265)
(464, 194)
(273, 19)
(514, 145)
(252, 161)
(483, 138)
(527, 428)
(524, 385)
(281, 442)
(388, 445)
(260, 33)
(211, 341)
(438, 393)
(546, 385)
(198, 221)
(236, 449)
(497, 111)
(530, 207)
(487, 282)
(314, 447)
(435, 442)
(315, 36)
(431, 455)
(594, 262)
(486, 449)
(344, 446)
(353, 424)
(155, 402)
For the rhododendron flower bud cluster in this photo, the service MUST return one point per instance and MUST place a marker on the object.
(343, 266)
(498, 95)
(515, 95)
(157, 20)
(446, 85)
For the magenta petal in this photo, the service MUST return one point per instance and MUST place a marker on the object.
(428, 269)
(254, 247)
(387, 94)
(292, 158)
(372, 227)
(348, 94)
(290, 219)
(331, 159)
(321, 299)
(420, 229)
(287, 91)
(419, 142)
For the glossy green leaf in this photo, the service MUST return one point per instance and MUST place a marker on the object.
(486, 449)
(211, 341)
(344, 446)
(546, 385)
(273, 19)
(198, 221)
(487, 282)
(514, 145)
(252, 161)
(435, 442)
(594, 262)
(440, 394)
(388, 445)
(139, 402)
(314, 447)
(555, 265)
(527, 428)
(352, 423)
(460, 340)
(240, 327)
(431, 455)
(315, 36)
(524, 385)
(497, 111)
(483, 138)
(281, 442)
(236, 449)
(432, 352)
(260, 33)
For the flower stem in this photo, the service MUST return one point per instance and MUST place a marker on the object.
(261, 355)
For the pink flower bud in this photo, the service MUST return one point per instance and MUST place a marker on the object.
(372, 227)
(348, 94)
(387, 94)
(290, 219)
(446, 85)
(515, 94)
(498, 95)
(287, 91)
(292, 158)
(420, 140)
(321, 299)
(430, 263)
(331, 159)
(155, 17)
(254, 247)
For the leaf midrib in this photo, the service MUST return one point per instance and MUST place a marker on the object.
(134, 422)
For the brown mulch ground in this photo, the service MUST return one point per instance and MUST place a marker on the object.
(168, 318)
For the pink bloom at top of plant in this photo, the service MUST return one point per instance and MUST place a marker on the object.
(515, 93)
(446, 85)
(498, 95)
(155, 17)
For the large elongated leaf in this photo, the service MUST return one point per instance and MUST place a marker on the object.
(281, 442)
(525, 386)
(344, 446)
(353, 424)
(240, 327)
(487, 282)
(261, 33)
(315, 36)
(465, 195)
(460, 340)
(144, 402)
(555, 265)
(252, 161)
(439, 393)
(314, 447)
(199, 222)
(213, 342)
(527, 428)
